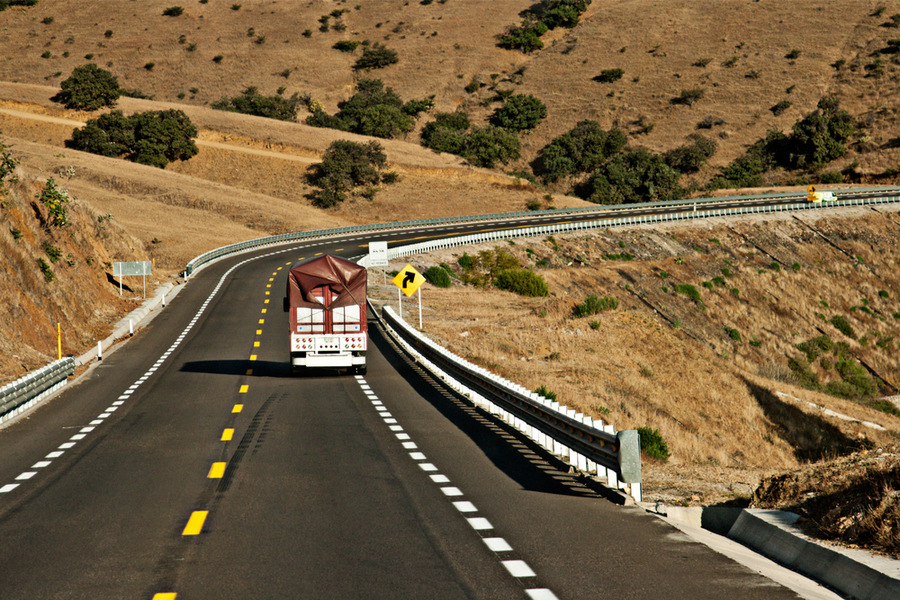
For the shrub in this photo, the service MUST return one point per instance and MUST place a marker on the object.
(542, 390)
(150, 138)
(580, 150)
(466, 261)
(438, 277)
(689, 97)
(251, 102)
(486, 146)
(520, 112)
(45, 270)
(806, 377)
(780, 107)
(149, 66)
(881, 293)
(346, 45)
(218, 58)
(819, 137)
(609, 75)
(55, 199)
(629, 177)
(734, 334)
(814, 347)
(173, 11)
(347, 165)
(89, 88)
(841, 324)
(652, 443)
(593, 305)
(525, 37)
(792, 54)
(522, 282)
(376, 57)
(688, 290)
(690, 157)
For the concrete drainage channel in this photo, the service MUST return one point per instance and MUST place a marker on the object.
(773, 533)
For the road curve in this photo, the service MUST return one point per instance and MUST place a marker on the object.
(189, 463)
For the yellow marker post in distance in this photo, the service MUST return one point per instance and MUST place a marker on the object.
(195, 523)
(227, 435)
(216, 471)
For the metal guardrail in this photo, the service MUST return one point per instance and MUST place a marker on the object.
(475, 238)
(591, 446)
(213, 255)
(19, 395)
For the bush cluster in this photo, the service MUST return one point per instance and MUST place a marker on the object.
(4, 4)
(375, 57)
(593, 305)
(55, 199)
(483, 147)
(549, 14)
(815, 140)
(690, 157)
(151, 138)
(580, 150)
(373, 110)
(629, 177)
(522, 282)
(251, 102)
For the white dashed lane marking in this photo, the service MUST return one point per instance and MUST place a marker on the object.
(517, 568)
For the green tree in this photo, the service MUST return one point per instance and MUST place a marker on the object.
(447, 133)
(89, 88)
(520, 112)
(487, 146)
(630, 177)
(346, 165)
(111, 134)
(376, 57)
(525, 37)
(819, 137)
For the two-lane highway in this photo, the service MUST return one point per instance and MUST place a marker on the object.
(189, 464)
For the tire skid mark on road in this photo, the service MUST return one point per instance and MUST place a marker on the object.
(515, 567)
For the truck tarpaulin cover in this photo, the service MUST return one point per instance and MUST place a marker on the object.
(346, 279)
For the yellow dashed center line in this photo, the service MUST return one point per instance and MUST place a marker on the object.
(267, 293)
(256, 344)
(263, 311)
(268, 285)
(164, 596)
(261, 321)
(252, 357)
(227, 435)
(249, 371)
(279, 268)
(237, 408)
(244, 389)
(266, 301)
(216, 471)
(259, 332)
(195, 523)
(272, 278)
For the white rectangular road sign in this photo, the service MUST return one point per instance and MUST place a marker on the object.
(378, 254)
(139, 267)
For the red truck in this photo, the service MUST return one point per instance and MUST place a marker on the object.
(326, 299)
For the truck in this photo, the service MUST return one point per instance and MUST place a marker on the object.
(326, 302)
(813, 196)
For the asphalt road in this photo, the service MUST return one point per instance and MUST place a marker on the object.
(189, 464)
